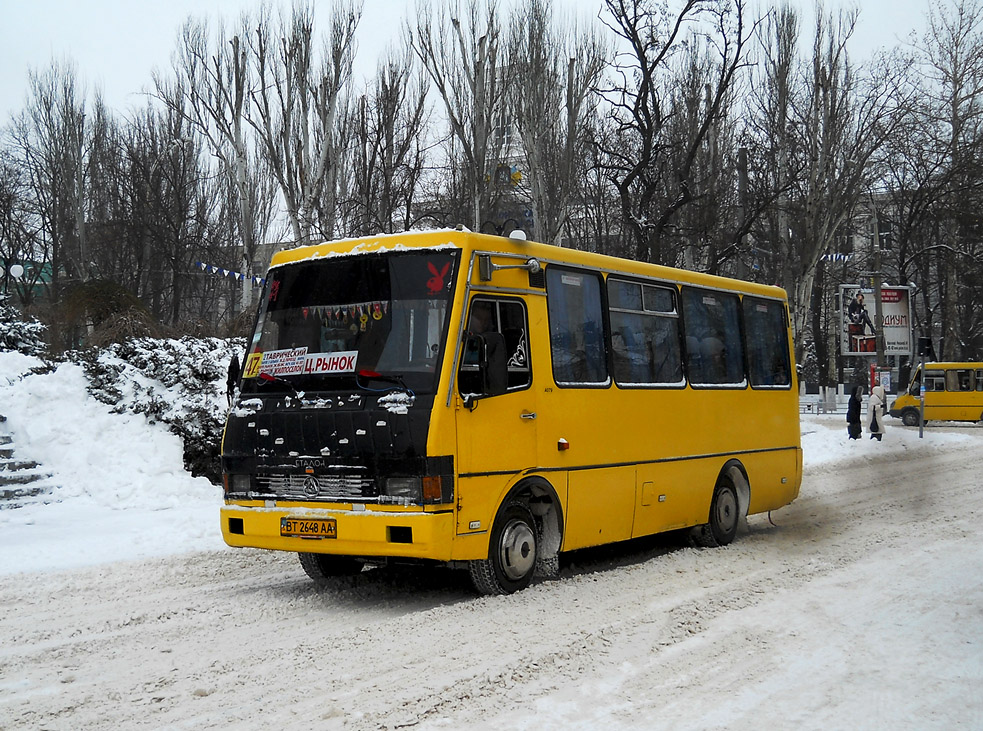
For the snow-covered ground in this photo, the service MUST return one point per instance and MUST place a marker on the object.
(858, 606)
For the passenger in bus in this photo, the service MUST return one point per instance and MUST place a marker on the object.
(853, 413)
(714, 360)
(875, 412)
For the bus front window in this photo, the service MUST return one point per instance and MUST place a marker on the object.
(324, 321)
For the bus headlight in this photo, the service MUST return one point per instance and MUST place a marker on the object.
(238, 484)
(405, 488)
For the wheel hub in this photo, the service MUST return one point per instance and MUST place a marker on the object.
(518, 549)
(727, 510)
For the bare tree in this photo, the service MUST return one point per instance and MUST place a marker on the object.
(51, 143)
(654, 181)
(842, 120)
(770, 139)
(461, 57)
(594, 222)
(388, 153)
(951, 55)
(553, 71)
(296, 107)
(210, 88)
(17, 228)
(819, 124)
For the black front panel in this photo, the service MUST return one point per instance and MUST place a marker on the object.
(350, 443)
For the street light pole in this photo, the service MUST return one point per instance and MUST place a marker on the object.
(15, 271)
(876, 274)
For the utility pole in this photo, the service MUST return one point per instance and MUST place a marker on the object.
(876, 274)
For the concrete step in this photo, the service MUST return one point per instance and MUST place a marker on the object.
(6, 452)
(6, 439)
(22, 477)
(9, 464)
(17, 497)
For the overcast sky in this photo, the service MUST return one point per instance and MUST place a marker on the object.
(117, 43)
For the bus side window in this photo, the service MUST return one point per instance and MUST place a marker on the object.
(644, 334)
(715, 347)
(965, 380)
(958, 380)
(979, 380)
(576, 324)
(767, 342)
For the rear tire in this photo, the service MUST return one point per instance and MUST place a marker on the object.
(512, 553)
(323, 566)
(724, 516)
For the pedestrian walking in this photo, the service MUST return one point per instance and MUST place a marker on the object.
(875, 412)
(853, 427)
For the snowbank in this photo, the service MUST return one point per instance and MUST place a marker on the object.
(118, 483)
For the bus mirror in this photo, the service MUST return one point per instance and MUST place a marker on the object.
(484, 369)
(486, 267)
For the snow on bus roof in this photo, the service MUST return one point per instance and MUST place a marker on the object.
(376, 246)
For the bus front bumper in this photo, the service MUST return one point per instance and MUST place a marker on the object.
(368, 533)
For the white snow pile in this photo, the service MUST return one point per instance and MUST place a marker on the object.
(117, 484)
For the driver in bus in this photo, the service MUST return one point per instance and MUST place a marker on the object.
(481, 318)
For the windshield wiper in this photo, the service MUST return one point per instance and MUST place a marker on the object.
(395, 380)
(267, 378)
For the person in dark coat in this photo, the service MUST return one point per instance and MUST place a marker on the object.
(232, 379)
(853, 427)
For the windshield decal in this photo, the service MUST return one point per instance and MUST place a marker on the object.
(331, 362)
(436, 283)
(276, 363)
(296, 361)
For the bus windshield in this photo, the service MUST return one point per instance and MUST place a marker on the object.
(323, 322)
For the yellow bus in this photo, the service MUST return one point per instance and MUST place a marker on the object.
(491, 402)
(953, 392)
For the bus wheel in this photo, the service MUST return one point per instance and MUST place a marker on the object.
(512, 553)
(724, 515)
(909, 417)
(321, 566)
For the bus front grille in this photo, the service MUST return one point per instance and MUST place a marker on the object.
(319, 487)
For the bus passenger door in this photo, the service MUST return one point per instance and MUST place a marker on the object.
(496, 414)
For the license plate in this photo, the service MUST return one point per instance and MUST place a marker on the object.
(309, 527)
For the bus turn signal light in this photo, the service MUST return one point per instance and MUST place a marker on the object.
(432, 489)
(562, 444)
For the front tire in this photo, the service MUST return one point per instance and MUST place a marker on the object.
(724, 516)
(512, 553)
(323, 566)
(909, 417)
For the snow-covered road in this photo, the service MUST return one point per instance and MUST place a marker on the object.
(861, 607)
